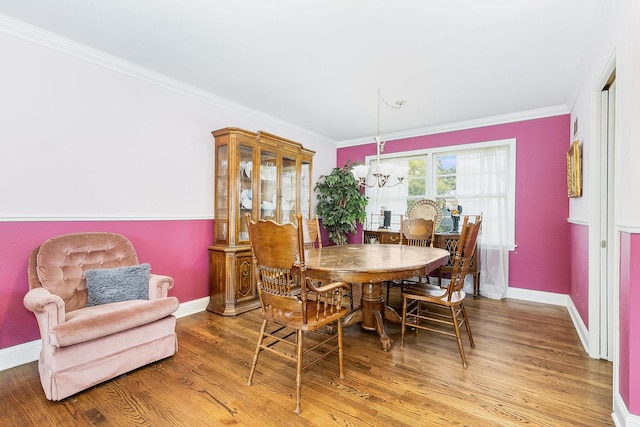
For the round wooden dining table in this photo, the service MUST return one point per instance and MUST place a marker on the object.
(372, 265)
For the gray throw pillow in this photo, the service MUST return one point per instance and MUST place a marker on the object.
(117, 284)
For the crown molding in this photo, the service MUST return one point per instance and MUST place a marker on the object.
(538, 113)
(44, 38)
(64, 45)
(61, 44)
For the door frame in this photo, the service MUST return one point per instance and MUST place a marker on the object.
(602, 332)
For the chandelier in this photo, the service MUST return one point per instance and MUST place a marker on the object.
(382, 172)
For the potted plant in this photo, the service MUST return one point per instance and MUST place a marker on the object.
(341, 204)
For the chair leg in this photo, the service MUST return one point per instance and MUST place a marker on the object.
(457, 329)
(391, 285)
(467, 325)
(351, 295)
(404, 320)
(340, 365)
(299, 371)
(263, 328)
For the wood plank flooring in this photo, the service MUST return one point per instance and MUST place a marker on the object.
(528, 368)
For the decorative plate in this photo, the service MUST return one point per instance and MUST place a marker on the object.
(427, 209)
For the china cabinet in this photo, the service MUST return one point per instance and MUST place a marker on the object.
(255, 173)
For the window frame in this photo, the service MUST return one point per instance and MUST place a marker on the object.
(431, 153)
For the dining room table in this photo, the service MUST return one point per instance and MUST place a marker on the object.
(372, 266)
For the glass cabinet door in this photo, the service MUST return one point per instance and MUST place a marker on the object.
(222, 193)
(245, 193)
(288, 190)
(268, 185)
(305, 189)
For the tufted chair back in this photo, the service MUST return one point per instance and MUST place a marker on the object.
(58, 264)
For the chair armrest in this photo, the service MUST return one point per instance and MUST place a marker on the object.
(327, 299)
(326, 288)
(48, 309)
(40, 299)
(159, 286)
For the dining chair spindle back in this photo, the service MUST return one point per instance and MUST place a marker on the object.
(437, 306)
(311, 231)
(291, 301)
(414, 232)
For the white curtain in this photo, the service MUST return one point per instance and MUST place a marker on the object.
(483, 189)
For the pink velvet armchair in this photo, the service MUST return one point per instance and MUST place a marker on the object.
(87, 338)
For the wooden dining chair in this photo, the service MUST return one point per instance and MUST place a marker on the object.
(311, 230)
(313, 239)
(414, 232)
(291, 302)
(436, 306)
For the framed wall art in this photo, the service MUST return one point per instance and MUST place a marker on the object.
(574, 178)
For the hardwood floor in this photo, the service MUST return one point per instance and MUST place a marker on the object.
(528, 367)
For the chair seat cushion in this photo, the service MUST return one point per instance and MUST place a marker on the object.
(90, 323)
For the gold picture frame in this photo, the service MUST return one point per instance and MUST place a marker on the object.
(574, 178)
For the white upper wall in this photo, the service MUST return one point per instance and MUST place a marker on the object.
(81, 141)
(616, 45)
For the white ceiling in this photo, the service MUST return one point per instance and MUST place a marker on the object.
(317, 64)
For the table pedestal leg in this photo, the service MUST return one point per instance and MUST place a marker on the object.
(374, 311)
(391, 315)
(354, 316)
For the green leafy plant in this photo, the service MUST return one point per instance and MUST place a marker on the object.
(341, 204)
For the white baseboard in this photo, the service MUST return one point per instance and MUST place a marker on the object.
(19, 354)
(621, 416)
(192, 307)
(538, 296)
(30, 351)
(578, 323)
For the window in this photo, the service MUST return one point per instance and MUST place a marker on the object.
(479, 177)
(445, 174)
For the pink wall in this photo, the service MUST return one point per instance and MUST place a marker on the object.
(174, 248)
(541, 259)
(579, 269)
(629, 318)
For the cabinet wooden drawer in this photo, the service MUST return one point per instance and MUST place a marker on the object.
(381, 236)
(389, 238)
